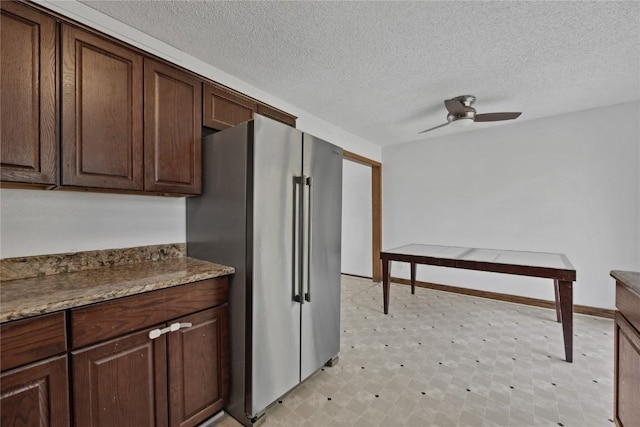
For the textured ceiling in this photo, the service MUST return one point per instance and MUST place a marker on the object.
(381, 70)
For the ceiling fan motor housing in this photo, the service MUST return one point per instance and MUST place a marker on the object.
(469, 113)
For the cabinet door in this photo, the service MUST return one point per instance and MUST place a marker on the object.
(101, 112)
(36, 395)
(281, 116)
(28, 101)
(198, 367)
(173, 130)
(224, 108)
(121, 382)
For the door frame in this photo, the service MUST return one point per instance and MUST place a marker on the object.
(376, 210)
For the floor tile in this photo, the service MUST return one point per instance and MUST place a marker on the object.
(442, 359)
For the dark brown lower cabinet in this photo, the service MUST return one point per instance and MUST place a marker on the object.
(121, 382)
(119, 374)
(35, 395)
(627, 373)
(173, 377)
(197, 385)
(138, 381)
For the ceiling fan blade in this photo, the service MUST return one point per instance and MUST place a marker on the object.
(495, 117)
(455, 107)
(439, 126)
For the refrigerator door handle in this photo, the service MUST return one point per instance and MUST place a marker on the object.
(307, 295)
(296, 277)
(298, 244)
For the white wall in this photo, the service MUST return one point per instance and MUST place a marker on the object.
(566, 184)
(37, 222)
(45, 222)
(356, 219)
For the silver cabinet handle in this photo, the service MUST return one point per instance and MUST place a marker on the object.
(155, 333)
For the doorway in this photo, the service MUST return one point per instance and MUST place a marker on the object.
(362, 228)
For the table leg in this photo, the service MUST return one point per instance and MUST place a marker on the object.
(565, 291)
(385, 285)
(413, 278)
(558, 311)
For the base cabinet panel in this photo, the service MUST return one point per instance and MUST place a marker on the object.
(627, 373)
(121, 382)
(36, 395)
(198, 387)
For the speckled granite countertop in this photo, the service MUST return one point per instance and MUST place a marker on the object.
(631, 279)
(45, 284)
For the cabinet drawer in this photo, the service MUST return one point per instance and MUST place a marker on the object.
(28, 340)
(109, 319)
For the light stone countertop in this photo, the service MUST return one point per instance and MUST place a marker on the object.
(32, 296)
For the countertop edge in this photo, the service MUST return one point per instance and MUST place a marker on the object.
(629, 279)
(217, 270)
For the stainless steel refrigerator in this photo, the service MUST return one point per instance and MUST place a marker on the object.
(271, 208)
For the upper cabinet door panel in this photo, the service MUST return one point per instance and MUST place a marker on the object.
(173, 129)
(28, 101)
(278, 115)
(223, 108)
(101, 113)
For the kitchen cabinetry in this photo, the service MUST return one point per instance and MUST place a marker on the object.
(224, 108)
(101, 112)
(121, 382)
(33, 383)
(276, 114)
(128, 122)
(121, 375)
(28, 101)
(173, 129)
(135, 379)
(198, 383)
(105, 85)
(627, 349)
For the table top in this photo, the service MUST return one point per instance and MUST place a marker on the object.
(461, 257)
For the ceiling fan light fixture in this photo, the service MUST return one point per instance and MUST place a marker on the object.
(462, 122)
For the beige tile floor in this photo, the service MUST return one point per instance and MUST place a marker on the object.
(441, 359)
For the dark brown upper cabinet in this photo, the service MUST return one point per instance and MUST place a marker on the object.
(173, 129)
(28, 87)
(101, 112)
(224, 108)
(275, 114)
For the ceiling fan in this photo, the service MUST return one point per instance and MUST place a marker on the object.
(461, 111)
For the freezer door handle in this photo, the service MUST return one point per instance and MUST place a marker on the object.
(298, 238)
(307, 295)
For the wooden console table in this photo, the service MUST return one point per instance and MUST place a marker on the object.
(534, 264)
